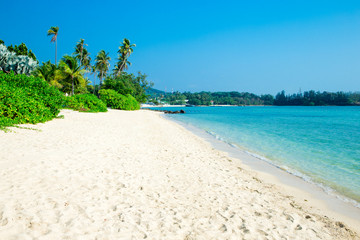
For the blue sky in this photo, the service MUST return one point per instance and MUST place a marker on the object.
(254, 46)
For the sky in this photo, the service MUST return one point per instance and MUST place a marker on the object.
(246, 46)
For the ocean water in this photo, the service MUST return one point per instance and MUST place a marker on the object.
(319, 144)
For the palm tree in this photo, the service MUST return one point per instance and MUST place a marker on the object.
(71, 71)
(87, 63)
(48, 72)
(102, 63)
(121, 65)
(126, 48)
(124, 52)
(53, 31)
(81, 53)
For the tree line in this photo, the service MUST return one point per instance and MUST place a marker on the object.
(312, 98)
(307, 98)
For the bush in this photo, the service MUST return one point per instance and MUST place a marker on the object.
(127, 83)
(9, 61)
(26, 99)
(131, 103)
(116, 100)
(112, 98)
(85, 103)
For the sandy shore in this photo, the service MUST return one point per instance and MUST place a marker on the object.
(135, 175)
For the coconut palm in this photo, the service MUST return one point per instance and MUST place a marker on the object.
(102, 63)
(48, 72)
(71, 71)
(121, 65)
(127, 47)
(53, 31)
(87, 63)
(81, 53)
(124, 52)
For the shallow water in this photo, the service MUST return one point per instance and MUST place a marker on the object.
(319, 144)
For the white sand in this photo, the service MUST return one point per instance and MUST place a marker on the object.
(134, 175)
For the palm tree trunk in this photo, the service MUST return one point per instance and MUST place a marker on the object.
(55, 50)
(100, 84)
(122, 66)
(72, 86)
(101, 80)
(94, 84)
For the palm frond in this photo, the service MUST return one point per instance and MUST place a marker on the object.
(53, 31)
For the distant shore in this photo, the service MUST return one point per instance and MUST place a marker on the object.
(121, 175)
(167, 105)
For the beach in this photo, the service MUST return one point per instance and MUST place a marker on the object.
(136, 175)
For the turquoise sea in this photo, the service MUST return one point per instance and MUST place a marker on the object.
(319, 144)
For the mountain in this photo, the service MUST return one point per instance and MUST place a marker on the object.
(152, 92)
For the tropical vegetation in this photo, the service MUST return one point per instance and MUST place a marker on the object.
(48, 72)
(20, 50)
(53, 32)
(124, 53)
(85, 103)
(82, 54)
(126, 83)
(116, 100)
(19, 64)
(31, 93)
(71, 74)
(209, 98)
(307, 98)
(27, 99)
(312, 98)
(102, 64)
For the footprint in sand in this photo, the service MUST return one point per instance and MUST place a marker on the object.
(3, 221)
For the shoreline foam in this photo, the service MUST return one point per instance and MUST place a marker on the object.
(327, 189)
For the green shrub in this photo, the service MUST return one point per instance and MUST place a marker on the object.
(131, 103)
(26, 99)
(85, 103)
(112, 98)
(116, 100)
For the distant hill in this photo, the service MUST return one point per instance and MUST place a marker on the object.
(154, 92)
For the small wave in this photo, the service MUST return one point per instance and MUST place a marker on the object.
(293, 172)
(330, 191)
